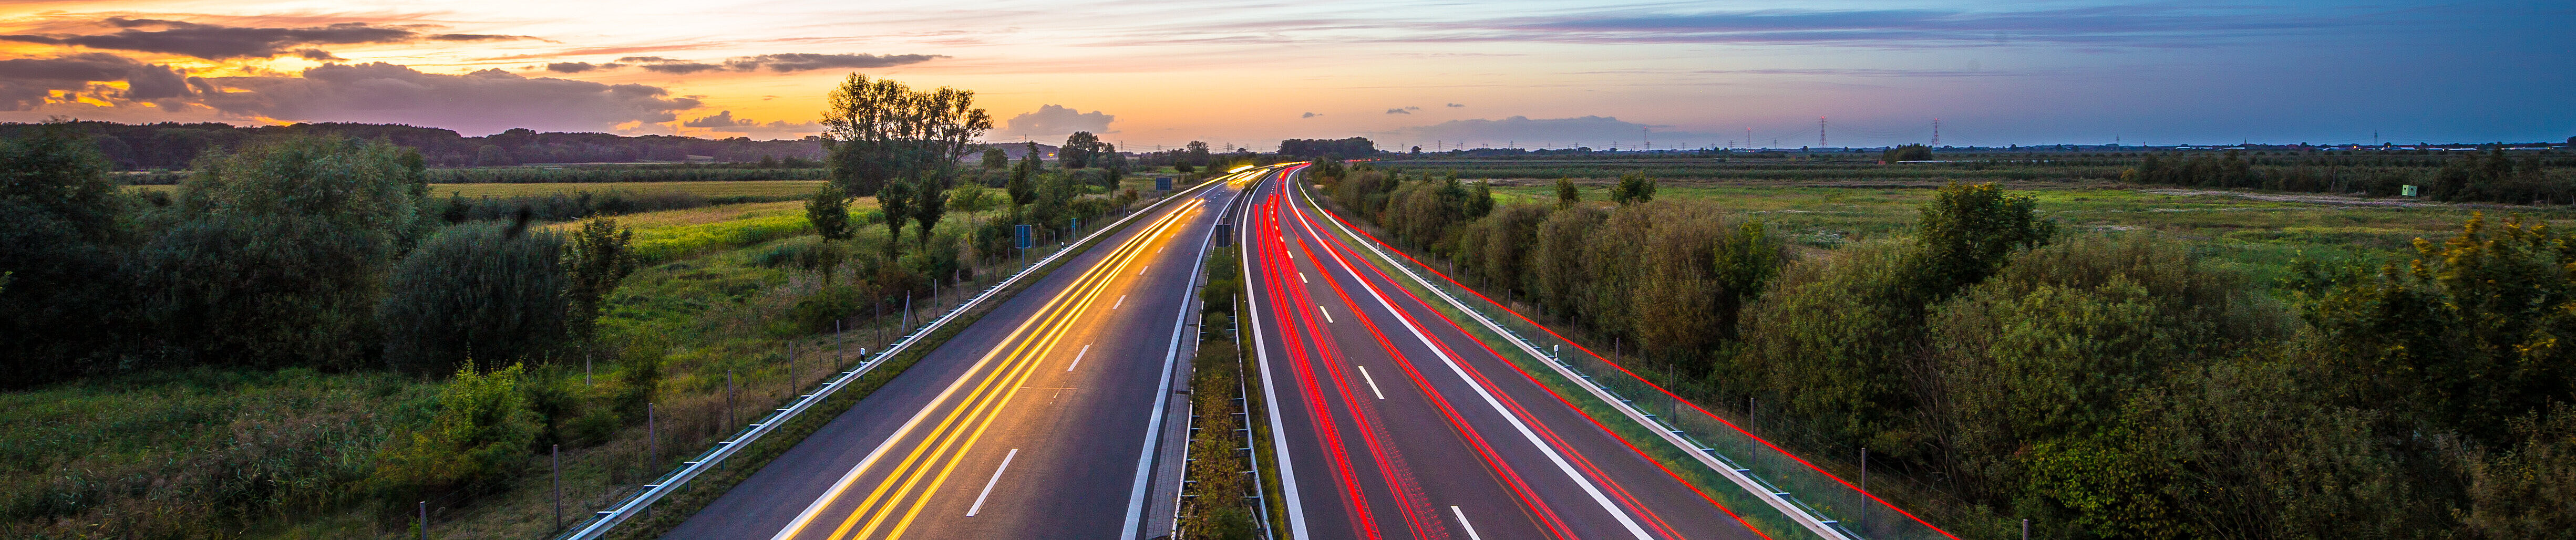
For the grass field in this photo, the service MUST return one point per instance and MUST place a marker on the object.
(2262, 231)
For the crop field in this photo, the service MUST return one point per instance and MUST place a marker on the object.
(2263, 231)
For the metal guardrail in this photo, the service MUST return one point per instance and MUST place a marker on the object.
(1829, 507)
(602, 521)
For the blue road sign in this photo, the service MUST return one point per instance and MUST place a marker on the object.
(1162, 183)
(1020, 236)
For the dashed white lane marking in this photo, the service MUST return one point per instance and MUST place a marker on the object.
(997, 478)
(1077, 358)
(1462, 522)
(1364, 375)
(1122, 300)
(1328, 314)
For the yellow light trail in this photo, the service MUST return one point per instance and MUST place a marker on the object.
(981, 407)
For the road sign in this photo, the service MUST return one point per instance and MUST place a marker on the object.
(1224, 234)
(1020, 236)
(1162, 183)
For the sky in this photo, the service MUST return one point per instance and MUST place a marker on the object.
(1437, 74)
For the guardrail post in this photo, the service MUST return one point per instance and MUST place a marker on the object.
(554, 457)
(424, 522)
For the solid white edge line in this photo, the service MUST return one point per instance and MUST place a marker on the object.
(1077, 357)
(1270, 399)
(997, 478)
(1552, 455)
(1162, 399)
(1371, 380)
(1810, 521)
(1463, 524)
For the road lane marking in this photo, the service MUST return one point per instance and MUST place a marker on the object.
(1049, 341)
(1015, 452)
(1077, 358)
(1301, 277)
(1328, 314)
(1544, 448)
(1094, 279)
(1372, 382)
(1122, 300)
(1453, 509)
(1141, 271)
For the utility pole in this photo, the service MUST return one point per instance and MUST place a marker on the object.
(1820, 132)
(1936, 132)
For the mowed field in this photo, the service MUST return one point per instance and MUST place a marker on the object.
(2264, 231)
(740, 188)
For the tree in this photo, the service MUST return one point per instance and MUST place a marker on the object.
(929, 204)
(995, 159)
(1910, 152)
(1021, 187)
(879, 130)
(2471, 331)
(1195, 154)
(895, 201)
(597, 258)
(1969, 229)
(829, 210)
(489, 292)
(1566, 194)
(280, 252)
(1115, 162)
(61, 242)
(1633, 188)
(1480, 200)
(1079, 150)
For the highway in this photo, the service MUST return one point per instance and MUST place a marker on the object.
(1050, 417)
(1397, 423)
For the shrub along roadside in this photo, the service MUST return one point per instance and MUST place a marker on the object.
(2104, 386)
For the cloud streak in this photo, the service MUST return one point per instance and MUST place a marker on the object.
(486, 101)
(26, 83)
(221, 42)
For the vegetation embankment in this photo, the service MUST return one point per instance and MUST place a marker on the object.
(2000, 364)
(298, 343)
(1218, 502)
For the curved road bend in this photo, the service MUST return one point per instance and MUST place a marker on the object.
(1398, 424)
(1034, 422)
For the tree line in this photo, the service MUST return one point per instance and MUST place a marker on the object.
(289, 252)
(2105, 386)
(173, 146)
(2490, 176)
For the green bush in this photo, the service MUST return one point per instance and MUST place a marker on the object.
(491, 291)
(480, 437)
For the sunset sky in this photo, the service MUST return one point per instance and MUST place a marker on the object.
(1533, 74)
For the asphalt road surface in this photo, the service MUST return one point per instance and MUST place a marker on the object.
(1396, 423)
(1041, 420)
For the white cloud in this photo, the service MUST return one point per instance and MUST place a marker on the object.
(1051, 120)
